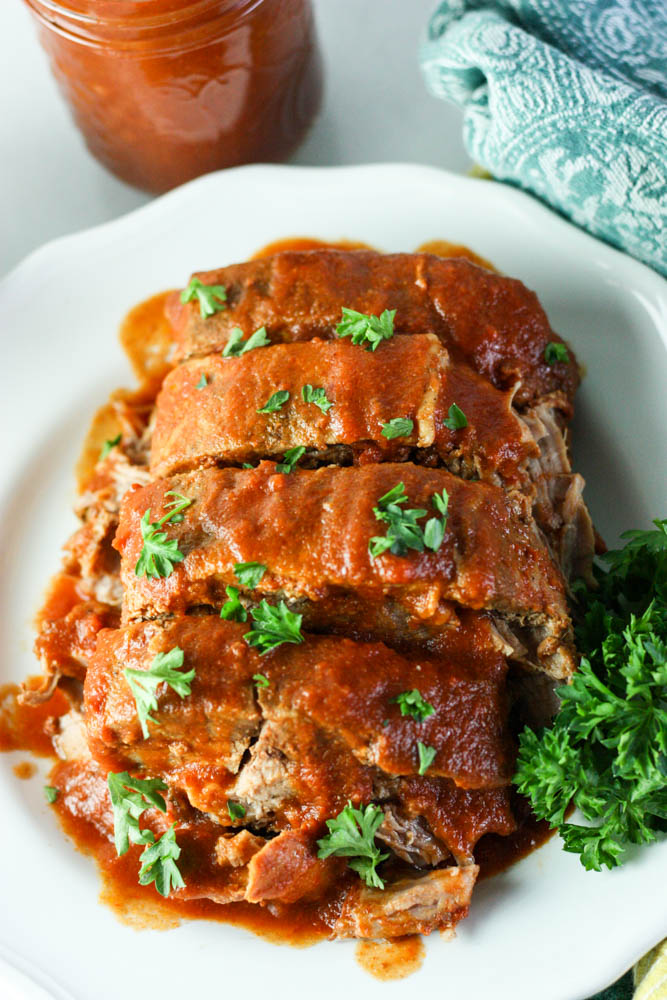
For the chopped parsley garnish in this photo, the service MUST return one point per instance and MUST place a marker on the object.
(456, 419)
(434, 530)
(554, 352)
(274, 625)
(108, 445)
(261, 680)
(165, 669)
(364, 329)
(249, 574)
(235, 810)
(606, 751)
(291, 457)
(426, 757)
(50, 793)
(317, 396)
(397, 427)
(202, 383)
(403, 532)
(247, 465)
(232, 610)
(274, 402)
(352, 835)
(236, 345)
(158, 863)
(411, 703)
(130, 797)
(159, 554)
(211, 298)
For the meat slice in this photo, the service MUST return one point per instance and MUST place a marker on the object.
(323, 691)
(208, 410)
(410, 906)
(312, 530)
(494, 322)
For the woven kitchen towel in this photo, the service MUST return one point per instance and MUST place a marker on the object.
(568, 100)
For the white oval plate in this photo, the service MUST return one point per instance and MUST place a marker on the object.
(545, 928)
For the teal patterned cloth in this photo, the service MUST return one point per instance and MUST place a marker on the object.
(568, 100)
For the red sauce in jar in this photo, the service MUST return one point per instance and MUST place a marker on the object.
(165, 90)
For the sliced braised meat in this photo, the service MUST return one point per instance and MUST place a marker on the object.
(321, 691)
(494, 322)
(208, 410)
(411, 906)
(67, 636)
(312, 530)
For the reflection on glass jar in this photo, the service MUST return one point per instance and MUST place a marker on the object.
(165, 90)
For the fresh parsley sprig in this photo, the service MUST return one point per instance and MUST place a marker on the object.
(249, 574)
(273, 625)
(212, 298)
(403, 531)
(426, 756)
(159, 554)
(317, 396)
(607, 748)
(158, 863)
(236, 345)
(275, 402)
(165, 669)
(130, 797)
(365, 329)
(232, 610)
(397, 427)
(352, 835)
(290, 458)
(456, 419)
(108, 445)
(411, 703)
(555, 351)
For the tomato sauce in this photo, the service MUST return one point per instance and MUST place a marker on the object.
(166, 90)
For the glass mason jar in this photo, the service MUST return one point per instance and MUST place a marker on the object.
(165, 90)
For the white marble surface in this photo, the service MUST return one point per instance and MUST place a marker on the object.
(375, 109)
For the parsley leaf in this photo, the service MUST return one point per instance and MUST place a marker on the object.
(412, 703)
(555, 351)
(606, 750)
(455, 419)
(397, 427)
(249, 574)
(291, 457)
(236, 345)
(211, 298)
(273, 626)
(352, 835)
(364, 329)
(159, 554)
(403, 532)
(274, 403)
(235, 810)
(317, 396)
(50, 793)
(202, 383)
(261, 680)
(158, 863)
(144, 683)
(108, 445)
(129, 798)
(426, 757)
(232, 610)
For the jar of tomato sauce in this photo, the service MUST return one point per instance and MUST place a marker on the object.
(165, 90)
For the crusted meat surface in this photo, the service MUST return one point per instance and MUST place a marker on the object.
(494, 322)
(312, 530)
